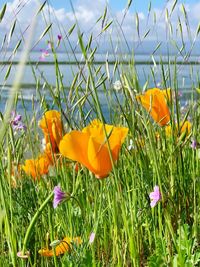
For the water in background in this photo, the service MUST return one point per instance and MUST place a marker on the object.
(187, 76)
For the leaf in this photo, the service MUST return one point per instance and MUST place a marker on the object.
(89, 42)
(184, 11)
(11, 31)
(154, 18)
(154, 62)
(107, 70)
(45, 31)
(157, 47)
(104, 17)
(146, 33)
(17, 46)
(107, 26)
(173, 7)
(2, 13)
(71, 29)
(137, 24)
(42, 6)
(149, 7)
(170, 28)
(80, 39)
(2, 218)
(8, 72)
(198, 30)
(115, 67)
(98, 19)
(180, 26)
(198, 90)
(166, 15)
(3, 42)
(91, 57)
(98, 70)
(129, 3)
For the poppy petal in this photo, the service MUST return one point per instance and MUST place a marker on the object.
(74, 146)
(95, 129)
(37, 167)
(90, 147)
(155, 102)
(99, 158)
(116, 140)
(51, 126)
(64, 246)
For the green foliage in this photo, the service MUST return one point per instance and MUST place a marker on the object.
(117, 209)
(2, 12)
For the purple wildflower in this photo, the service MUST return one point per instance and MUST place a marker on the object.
(44, 54)
(49, 45)
(155, 196)
(59, 196)
(180, 93)
(92, 237)
(16, 121)
(23, 256)
(59, 37)
(194, 144)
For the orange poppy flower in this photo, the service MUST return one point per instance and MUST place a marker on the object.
(155, 102)
(14, 174)
(37, 167)
(185, 129)
(90, 147)
(64, 245)
(51, 126)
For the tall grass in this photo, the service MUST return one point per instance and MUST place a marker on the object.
(128, 232)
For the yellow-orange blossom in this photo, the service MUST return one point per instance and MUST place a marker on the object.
(90, 146)
(155, 102)
(185, 128)
(51, 126)
(64, 246)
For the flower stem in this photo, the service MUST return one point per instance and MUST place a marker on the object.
(34, 219)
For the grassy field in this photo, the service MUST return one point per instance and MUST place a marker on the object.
(77, 190)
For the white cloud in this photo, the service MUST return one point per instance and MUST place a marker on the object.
(141, 15)
(86, 14)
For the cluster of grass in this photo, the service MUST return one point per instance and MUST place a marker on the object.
(128, 232)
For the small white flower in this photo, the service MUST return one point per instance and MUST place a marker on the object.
(131, 146)
(117, 85)
(158, 84)
(92, 237)
(43, 144)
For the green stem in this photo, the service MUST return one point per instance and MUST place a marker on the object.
(11, 244)
(51, 233)
(34, 219)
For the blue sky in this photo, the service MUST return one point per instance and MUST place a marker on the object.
(87, 12)
(115, 5)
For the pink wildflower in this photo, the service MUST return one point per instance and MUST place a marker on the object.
(16, 122)
(23, 256)
(59, 37)
(92, 237)
(194, 144)
(155, 196)
(44, 54)
(59, 196)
